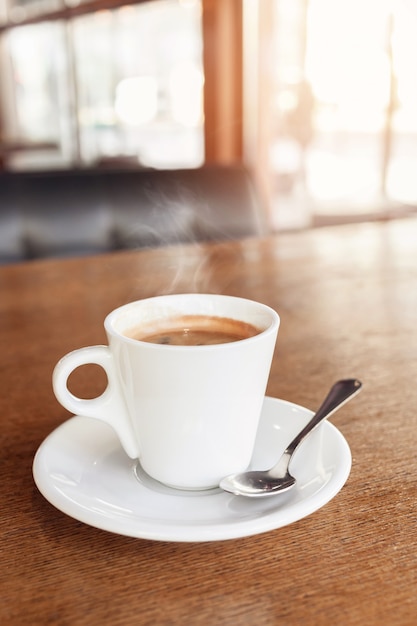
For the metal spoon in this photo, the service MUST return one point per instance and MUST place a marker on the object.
(255, 484)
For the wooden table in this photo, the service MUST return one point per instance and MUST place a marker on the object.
(347, 297)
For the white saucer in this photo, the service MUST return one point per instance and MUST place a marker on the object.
(81, 469)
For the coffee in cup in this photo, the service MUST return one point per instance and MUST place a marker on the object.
(194, 330)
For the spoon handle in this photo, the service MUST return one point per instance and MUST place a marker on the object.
(338, 395)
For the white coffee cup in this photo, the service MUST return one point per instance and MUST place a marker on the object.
(189, 414)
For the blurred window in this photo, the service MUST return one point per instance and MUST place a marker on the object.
(120, 85)
(337, 105)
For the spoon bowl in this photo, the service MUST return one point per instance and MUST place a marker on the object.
(260, 483)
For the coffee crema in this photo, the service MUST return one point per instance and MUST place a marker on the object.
(193, 330)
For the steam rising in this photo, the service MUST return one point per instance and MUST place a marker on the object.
(183, 217)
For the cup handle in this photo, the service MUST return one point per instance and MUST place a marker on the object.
(109, 407)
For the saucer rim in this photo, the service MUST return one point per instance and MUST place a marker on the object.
(207, 532)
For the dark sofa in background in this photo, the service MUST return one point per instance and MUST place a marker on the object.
(76, 212)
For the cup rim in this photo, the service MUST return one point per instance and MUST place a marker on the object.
(116, 313)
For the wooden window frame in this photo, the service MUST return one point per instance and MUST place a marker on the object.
(223, 70)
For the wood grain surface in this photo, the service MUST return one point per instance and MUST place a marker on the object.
(347, 297)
